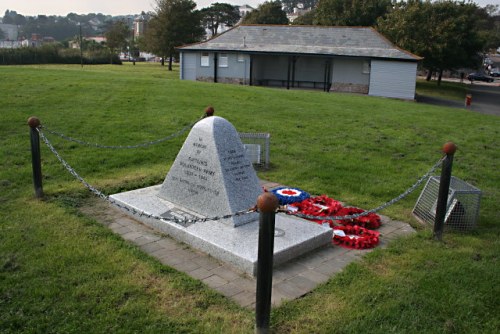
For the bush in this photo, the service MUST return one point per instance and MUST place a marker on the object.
(54, 54)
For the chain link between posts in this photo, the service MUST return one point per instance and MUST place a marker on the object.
(140, 213)
(215, 218)
(379, 208)
(121, 147)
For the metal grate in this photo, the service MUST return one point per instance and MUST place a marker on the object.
(257, 147)
(462, 209)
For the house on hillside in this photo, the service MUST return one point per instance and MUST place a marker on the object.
(340, 59)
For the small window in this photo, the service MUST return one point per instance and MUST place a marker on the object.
(205, 59)
(241, 57)
(223, 60)
(366, 67)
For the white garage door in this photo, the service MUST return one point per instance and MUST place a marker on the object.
(393, 79)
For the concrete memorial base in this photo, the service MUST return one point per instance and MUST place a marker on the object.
(234, 245)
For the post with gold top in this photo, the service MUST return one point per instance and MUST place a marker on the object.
(34, 123)
(444, 188)
(267, 203)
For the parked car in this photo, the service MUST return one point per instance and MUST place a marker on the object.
(480, 77)
(495, 72)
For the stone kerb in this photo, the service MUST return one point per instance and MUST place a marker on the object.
(212, 175)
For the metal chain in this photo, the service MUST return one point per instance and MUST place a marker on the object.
(379, 208)
(139, 213)
(239, 213)
(118, 147)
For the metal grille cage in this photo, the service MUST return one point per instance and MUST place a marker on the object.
(462, 209)
(257, 147)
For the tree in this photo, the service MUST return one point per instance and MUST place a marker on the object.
(116, 37)
(217, 14)
(174, 23)
(270, 12)
(488, 21)
(305, 19)
(350, 12)
(445, 33)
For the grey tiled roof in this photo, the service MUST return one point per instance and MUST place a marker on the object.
(331, 41)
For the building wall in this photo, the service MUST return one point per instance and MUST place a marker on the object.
(351, 75)
(386, 78)
(310, 69)
(394, 79)
(269, 70)
(188, 65)
(236, 71)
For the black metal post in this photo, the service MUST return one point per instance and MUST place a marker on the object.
(215, 66)
(288, 73)
(36, 161)
(251, 71)
(267, 204)
(444, 188)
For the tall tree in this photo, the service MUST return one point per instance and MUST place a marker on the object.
(116, 37)
(350, 12)
(445, 33)
(174, 23)
(489, 26)
(270, 12)
(219, 14)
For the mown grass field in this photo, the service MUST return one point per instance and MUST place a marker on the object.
(63, 272)
(447, 90)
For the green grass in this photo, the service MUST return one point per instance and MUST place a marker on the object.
(61, 271)
(447, 90)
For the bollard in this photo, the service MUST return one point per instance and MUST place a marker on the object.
(267, 204)
(468, 100)
(209, 111)
(444, 188)
(36, 163)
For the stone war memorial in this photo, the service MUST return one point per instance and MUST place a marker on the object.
(210, 189)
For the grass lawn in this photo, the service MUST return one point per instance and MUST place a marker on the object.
(447, 90)
(63, 272)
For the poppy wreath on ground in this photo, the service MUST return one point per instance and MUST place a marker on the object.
(323, 206)
(355, 237)
(371, 220)
(288, 195)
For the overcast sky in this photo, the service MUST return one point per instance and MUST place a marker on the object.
(114, 7)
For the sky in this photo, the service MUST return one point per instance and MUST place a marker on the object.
(107, 7)
(114, 7)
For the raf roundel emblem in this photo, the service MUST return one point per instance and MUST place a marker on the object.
(288, 195)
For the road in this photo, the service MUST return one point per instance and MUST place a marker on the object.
(485, 98)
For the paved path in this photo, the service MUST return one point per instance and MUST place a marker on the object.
(290, 280)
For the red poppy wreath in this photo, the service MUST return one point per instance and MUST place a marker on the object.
(355, 237)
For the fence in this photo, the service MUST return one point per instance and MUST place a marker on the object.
(267, 205)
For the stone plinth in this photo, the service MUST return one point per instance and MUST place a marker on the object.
(236, 246)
